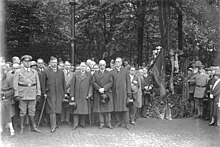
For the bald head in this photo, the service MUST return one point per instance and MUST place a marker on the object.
(102, 64)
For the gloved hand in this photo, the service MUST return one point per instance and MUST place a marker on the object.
(18, 98)
(129, 96)
(38, 98)
(45, 96)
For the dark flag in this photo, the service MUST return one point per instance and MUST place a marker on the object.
(159, 72)
(159, 65)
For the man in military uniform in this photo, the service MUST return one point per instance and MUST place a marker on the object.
(27, 91)
(192, 83)
(201, 81)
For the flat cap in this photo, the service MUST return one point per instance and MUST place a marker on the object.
(26, 58)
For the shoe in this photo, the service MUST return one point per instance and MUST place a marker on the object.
(109, 126)
(127, 127)
(118, 125)
(74, 128)
(133, 123)
(101, 126)
(12, 134)
(53, 130)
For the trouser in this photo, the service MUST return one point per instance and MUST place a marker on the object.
(121, 117)
(16, 118)
(29, 105)
(105, 117)
(65, 115)
(192, 102)
(132, 112)
(206, 111)
(53, 120)
(79, 118)
(199, 106)
(146, 103)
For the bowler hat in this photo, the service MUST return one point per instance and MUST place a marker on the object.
(26, 58)
(130, 103)
(104, 98)
(72, 106)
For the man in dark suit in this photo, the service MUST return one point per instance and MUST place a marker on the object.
(102, 83)
(134, 91)
(54, 89)
(68, 74)
(40, 69)
(121, 92)
(146, 80)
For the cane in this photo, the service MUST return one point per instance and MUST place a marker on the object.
(41, 113)
(89, 109)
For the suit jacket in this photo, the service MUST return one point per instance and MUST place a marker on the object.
(54, 86)
(40, 74)
(68, 78)
(80, 89)
(136, 84)
(102, 80)
(121, 89)
(22, 76)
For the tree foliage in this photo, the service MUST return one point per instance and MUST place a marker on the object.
(106, 29)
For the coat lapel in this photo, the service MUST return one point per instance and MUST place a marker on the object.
(82, 76)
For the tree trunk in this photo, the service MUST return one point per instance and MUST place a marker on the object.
(140, 30)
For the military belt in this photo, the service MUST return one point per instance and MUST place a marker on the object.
(27, 85)
(200, 86)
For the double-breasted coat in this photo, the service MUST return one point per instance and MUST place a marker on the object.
(80, 89)
(121, 89)
(102, 80)
(55, 87)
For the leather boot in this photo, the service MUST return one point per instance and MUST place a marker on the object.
(34, 128)
(22, 125)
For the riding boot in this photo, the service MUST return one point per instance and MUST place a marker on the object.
(34, 128)
(22, 125)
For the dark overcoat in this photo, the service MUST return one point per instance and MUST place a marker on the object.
(102, 80)
(55, 87)
(216, 95)
(80, 89)
(121, 89)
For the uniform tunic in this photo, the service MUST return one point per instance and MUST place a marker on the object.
(102, 80)
(201, 81)
(80, 89)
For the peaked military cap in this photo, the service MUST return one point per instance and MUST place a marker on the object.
(26, 58)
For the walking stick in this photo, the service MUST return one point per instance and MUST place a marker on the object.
(41, 113)
(89, 109)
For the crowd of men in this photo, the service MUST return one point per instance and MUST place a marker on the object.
(204, 92)
(59, 93)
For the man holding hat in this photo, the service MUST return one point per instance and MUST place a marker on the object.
(27, 90)
(103, 85)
